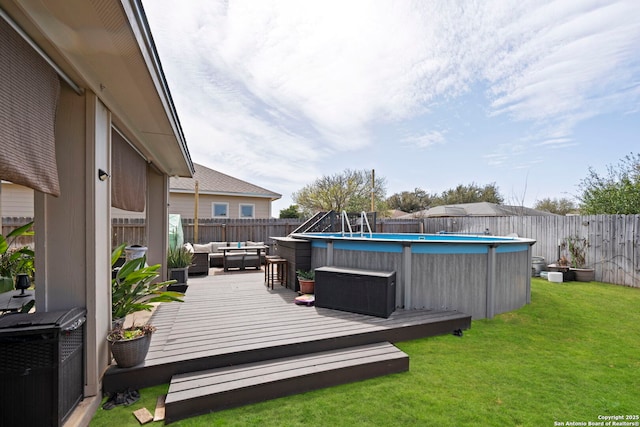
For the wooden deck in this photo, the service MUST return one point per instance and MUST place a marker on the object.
(233, 319)
(216, 389)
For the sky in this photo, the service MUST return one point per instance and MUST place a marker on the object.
(430, 94)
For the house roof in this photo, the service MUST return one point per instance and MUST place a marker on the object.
(476, 209)
(396, 213)
(216, 183)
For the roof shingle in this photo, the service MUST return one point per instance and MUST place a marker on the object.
(214, 182)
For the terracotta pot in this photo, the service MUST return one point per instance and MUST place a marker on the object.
(306, 285)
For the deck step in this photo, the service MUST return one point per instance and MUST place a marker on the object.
(215, 389)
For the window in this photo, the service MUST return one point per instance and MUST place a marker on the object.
(220, 210)
(246, 211)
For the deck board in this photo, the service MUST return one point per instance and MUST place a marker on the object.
(215, 389)
(235, 318)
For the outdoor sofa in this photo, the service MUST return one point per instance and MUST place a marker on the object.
(236, 259)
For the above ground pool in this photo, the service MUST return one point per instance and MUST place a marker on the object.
(479, 275)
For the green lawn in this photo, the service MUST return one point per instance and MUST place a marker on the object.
(571, 355)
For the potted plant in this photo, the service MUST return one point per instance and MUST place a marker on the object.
(577, 248)
(307, 281)
(133, 289)
(15, 260)
(178, 261)
(562, 266)
(130, 346)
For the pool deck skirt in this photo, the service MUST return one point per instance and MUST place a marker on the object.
(231, 324)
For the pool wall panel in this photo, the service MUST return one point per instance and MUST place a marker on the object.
(444, 282)
(511, 285)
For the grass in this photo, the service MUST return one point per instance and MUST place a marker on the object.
(570, 356)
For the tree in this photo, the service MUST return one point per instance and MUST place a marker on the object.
(616, 193)
(472, 193)
(290, 212)
(410, 202)
(349, 190)
(560, 206)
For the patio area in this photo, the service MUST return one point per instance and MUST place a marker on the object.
(233, 321)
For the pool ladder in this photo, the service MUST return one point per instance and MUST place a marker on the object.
(362, 222)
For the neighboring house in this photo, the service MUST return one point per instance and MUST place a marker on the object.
(16, 200)
(396, 213)
(476, 209)
(87, 121)
(220, 196)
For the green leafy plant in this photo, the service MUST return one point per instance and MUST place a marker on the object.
(179, 257)
(133, 289)
(577, 248)
(15, 260)
(124, 334)
(306, 274)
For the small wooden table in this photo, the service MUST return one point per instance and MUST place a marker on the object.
(231, 260)
(275, 271)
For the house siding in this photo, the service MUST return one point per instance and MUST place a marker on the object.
(120, 213)
(17, 201)
(184, 204)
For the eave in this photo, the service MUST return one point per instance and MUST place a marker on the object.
(106, 47)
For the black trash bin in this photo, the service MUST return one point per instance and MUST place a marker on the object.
(41, 367)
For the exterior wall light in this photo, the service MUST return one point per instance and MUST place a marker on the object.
(102, 175)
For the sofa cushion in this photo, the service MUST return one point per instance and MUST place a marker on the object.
(215, 246)
(202, 248)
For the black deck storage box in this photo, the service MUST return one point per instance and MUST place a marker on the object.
(41, 367)
(358, 291)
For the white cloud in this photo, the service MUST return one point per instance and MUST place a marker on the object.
(570, 58)
(265, 86)
(426, 140)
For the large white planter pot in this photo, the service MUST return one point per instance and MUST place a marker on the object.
(134, 252)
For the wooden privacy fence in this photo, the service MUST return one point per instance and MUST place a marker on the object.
(612, 251)
(133, 230)
(238, 230)
(613, 240)
(262, 230)
(11, 223)
(128, 230)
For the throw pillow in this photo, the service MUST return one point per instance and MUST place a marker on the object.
(202, 248)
